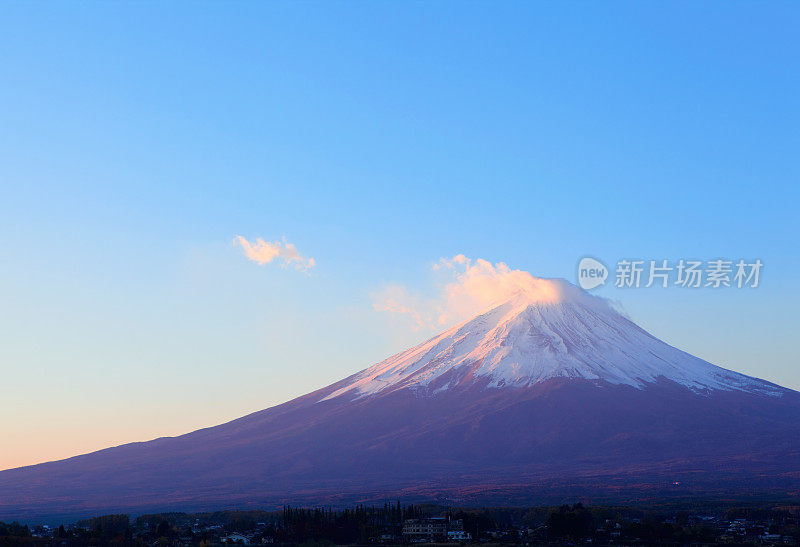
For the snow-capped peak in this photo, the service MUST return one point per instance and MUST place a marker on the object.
(551, 329)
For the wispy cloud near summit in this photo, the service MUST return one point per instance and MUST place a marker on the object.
(467, 287)
(264, 252)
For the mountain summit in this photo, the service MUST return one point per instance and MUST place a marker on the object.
(547, 396)
(554, 331)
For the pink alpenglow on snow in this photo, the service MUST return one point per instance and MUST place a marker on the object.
(548, 328)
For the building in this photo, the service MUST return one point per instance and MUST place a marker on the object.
(431, 529)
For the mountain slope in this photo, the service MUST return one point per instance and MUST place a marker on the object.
(543, 398)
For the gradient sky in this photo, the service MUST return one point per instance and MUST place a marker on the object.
(138, 139)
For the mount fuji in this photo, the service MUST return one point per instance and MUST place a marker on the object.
(548, 396)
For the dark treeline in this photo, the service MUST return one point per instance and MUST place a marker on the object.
(356, 525)
(600, 525)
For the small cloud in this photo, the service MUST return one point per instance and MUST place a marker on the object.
(451, 263)
(263, 252)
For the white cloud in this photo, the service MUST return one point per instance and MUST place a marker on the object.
(469, 287)
(264, 252)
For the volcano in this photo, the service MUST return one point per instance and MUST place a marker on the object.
(549, 396)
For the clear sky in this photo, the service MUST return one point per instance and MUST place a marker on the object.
(139, 139)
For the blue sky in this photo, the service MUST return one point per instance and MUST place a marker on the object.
(140, 138)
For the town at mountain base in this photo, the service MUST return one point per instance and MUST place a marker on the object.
(550, 396)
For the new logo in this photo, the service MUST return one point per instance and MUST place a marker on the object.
(591, 273)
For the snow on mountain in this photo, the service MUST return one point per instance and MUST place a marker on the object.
(552, 330)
